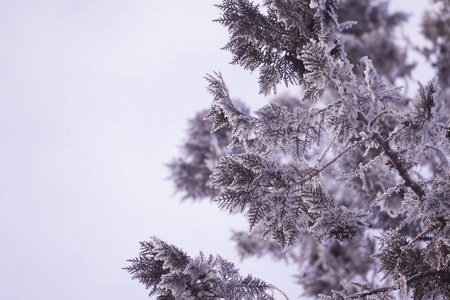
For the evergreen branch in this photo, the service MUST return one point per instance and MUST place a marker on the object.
(372, 292)
(326, 150)
(442, 274)
(170, 273)
(317, 172)
(361, 169)
(418, 237)
(441, 156)
(301, 42)
(394, 159)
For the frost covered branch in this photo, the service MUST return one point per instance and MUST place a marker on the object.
(394, 159)
(444, 275)
(172, 275)
(309, 171)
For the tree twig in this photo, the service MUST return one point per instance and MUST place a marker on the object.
(394, 159)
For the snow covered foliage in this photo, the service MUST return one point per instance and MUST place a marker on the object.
(351, 181)
(191, 172)
(436, 22)
(374, 36)
(170, 274)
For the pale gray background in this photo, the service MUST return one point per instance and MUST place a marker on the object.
(94, 98)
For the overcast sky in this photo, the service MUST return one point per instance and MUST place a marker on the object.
(94, 98)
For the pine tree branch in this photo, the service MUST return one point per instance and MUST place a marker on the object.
(372, 292)
(426, 231)
(318, 171)
(444, 275)
(394, 159)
